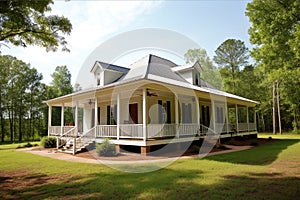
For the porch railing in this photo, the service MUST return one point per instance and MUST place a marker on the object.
(188, 129)
(56, 130)
(242, 127)
(106, 131)
(131, 130)
(161, 130)
(153, 130)
(252, 127)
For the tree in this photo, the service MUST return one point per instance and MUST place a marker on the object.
(231, 55)
(4, 76)
(28, 23)
(61, 82)
(275, 32)
(21, 94)
(210, 73)
(61, 85)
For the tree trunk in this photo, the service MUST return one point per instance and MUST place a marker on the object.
(274, 109)
(278, 107)
(233, 79)
(11, 125)
(1, 118)
(263, 122)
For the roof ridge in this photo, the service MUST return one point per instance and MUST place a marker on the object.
(111, 64)
(148, 66)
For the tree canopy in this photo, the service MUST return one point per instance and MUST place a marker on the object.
(210, 73)
(231, 55)
(275, 34)
(61, 82)
(27, 22)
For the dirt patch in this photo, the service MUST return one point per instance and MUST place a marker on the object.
(14, 182)
(240, 141)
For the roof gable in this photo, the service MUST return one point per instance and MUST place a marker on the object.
(107, 66)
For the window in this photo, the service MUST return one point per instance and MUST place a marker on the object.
(186, 113)
(197, 80)
(220, 115)
(164, 112)
(111, 114)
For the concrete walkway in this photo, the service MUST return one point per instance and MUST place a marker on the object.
(142, 159)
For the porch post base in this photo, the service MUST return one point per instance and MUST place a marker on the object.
(117, 148)
(178, 146)
(145, 150)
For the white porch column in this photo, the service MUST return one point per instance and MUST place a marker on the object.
(49, 119)
(96, 111)
(62, 119)
(255, 120)
(176, 116)
(247, 118)
(76, 115)
(118, 116)
(198, 111)
(213, 110)
(237, 118)
(226, 117)
(144, 114)
(96, 115)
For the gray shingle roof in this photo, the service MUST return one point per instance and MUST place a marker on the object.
(154, 65)
(156, 69)
(111, 67)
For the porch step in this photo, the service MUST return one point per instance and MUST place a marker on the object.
(68, 148)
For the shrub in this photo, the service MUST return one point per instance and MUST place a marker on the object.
(231, 142)
(254, 143)
(28, 145)
(221, 146)
(194, 149)
(48, 142)
(106, 148)
(270, 138)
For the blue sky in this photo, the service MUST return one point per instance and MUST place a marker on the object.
(209, 23)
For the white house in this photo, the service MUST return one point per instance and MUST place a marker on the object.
(152, 102)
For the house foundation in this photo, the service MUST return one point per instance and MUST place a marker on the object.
(118, 148)
(145, 150)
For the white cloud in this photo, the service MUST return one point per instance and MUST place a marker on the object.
(92, 21)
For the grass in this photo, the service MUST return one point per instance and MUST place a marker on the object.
(16, 145)
(269, 171)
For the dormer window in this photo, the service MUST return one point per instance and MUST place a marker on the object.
(197, 79)
(98, 79)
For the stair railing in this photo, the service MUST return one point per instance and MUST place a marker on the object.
(67, 136)
(84, 139)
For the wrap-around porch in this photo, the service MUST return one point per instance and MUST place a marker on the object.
(151, 113)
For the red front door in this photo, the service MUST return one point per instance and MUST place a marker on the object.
(133, 112)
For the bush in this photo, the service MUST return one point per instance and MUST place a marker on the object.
(106, 148)
(254, 143)
(28, 145)
(194, 149)
(231, 142)
(221, 146)
(270, 138)
(48, 142)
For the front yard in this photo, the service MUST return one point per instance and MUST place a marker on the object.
(270, 171)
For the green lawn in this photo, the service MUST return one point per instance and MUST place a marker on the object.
(270, 171)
